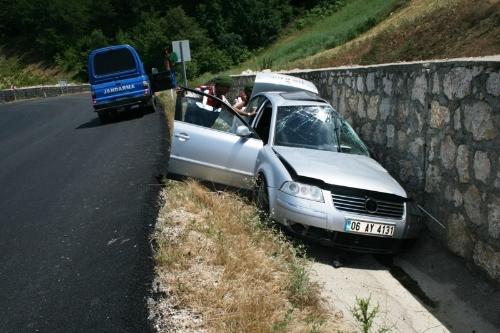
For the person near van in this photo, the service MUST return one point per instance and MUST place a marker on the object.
(169, 61)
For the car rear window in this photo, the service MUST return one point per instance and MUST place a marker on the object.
(113, 61)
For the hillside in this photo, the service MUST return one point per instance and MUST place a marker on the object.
(332, 33)
(415, 30)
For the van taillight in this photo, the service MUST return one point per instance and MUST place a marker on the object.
(145, 84)
(93, 97)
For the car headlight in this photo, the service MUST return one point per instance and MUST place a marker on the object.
(303, 191)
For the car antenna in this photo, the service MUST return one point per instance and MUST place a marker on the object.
(433, 218)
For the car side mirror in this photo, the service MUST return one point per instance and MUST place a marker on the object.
(243, 131)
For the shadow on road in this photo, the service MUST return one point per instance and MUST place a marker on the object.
(115, 119)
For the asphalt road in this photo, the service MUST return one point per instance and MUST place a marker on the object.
(77, 204)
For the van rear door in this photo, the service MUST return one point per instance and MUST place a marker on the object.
(117, 73)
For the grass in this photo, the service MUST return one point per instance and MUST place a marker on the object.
(216, 258)
(420, 30)
(14, 73)
(356, 17)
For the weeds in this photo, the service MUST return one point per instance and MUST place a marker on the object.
(365, 315)
(219, 259)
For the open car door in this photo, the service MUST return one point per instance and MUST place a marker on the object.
(211, 142)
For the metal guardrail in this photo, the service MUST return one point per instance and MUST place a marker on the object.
(15, 94)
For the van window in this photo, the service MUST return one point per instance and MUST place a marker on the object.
(113, 61)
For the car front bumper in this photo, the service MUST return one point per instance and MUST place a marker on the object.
(321, 221)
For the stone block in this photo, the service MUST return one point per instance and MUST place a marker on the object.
(419, 89)
(482, 166)
(360, 85)
(494, 217)
(433, 148)
(372, 109)
(402, 141)
(456, 120)
(417, 148)
(390, 135)
(361, 107)
(385, 108)
(352, 104)
(478, 120)
(370, 81)
(387, 84)
(457, 83)
(463, 164)
(459, 240)
(432, 179)
(440, 115)
(379, 135)
(448, 152)
(405, 170)
(487, 258)
(454, 196)
(435, 83)
(473, 204)
(366, 131)
(493, 84)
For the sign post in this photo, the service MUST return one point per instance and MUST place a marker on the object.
(181, 47)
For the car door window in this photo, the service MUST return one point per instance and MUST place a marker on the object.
(253, 107)
(203, 110)
(263, 125)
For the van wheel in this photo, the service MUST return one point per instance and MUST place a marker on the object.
(103, 116)
(262, 199)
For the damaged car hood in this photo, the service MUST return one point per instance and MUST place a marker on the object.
(341, 169)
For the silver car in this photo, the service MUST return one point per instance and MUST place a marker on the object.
(309, 169)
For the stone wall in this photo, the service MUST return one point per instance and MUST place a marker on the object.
(435, 127)
(10, 95)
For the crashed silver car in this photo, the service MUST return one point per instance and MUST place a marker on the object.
(309, 169)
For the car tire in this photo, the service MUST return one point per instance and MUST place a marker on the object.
(103, 116)
(262, 199)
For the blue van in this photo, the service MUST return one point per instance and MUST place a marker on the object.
(118, 81)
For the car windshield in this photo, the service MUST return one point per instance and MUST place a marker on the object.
(316, 127)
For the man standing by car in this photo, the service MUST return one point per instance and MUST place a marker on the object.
(206, 112)
(219, 87)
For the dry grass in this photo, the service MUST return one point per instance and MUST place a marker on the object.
(228, 271)
(421, 30)
(221, 262)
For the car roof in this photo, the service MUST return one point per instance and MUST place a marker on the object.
(282, 98)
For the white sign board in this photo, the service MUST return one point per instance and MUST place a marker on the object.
(181, 47)
(281, 82)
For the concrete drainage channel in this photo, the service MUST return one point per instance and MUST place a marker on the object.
(423, 290)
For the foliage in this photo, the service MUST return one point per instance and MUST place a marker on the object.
(323, 27)
(221, 33)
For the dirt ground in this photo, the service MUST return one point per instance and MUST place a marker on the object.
(424, 290)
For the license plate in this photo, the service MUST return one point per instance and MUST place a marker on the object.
(372, 228)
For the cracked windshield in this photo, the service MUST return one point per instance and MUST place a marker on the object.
(316, 127)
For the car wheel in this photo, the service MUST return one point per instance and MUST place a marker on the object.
(103, 116)
(262, 199)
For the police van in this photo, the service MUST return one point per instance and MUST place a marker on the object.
(118, 81)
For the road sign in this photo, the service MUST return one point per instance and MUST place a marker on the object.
(181, 47)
